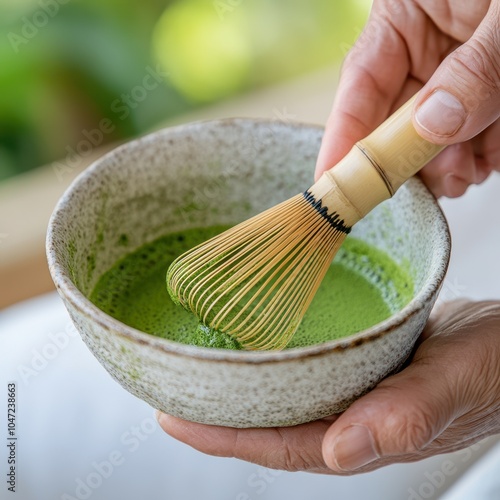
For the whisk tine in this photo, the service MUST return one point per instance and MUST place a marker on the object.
(288, 255)
(292, 296)
(256, 280)
(281, 251)
(230, 238)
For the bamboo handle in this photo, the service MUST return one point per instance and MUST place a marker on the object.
(375, 168)
(397, 149)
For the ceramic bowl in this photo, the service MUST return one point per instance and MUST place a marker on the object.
(223, 172)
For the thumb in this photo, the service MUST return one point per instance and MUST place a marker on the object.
(462, 97)
(401, 416)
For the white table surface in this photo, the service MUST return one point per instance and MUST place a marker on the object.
(72, 415)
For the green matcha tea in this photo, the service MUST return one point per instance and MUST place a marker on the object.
(362, 287)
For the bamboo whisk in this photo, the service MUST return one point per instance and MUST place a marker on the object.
(256, 280)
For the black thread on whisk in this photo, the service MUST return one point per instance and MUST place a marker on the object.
(335, 221)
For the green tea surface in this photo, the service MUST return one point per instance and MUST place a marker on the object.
(363, 287)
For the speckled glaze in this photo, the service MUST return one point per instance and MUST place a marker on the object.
(222, 172)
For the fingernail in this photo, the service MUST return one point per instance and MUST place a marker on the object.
(441, 114)
(159, 416)
(354, 448)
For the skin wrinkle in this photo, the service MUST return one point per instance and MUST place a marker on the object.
(463, 65)
(363, 76)
(234, 446)
(428, 452)
(318, 460)
(490, 25)
(458, 382)
(430, 419)
(413, 55)
(379, 25)
(387, 49)
(422, 57)
(486, 368)
(461, 25)
(474, 427)
(208, 446)
(283, 454)
(415, 432)
(484, 61)
(292, 463)
(306, 460)
(354, 119)
(400, 38)
(390, 401)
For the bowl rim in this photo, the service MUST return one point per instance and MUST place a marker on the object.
(69, 292)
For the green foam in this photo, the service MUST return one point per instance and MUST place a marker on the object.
(363, 287)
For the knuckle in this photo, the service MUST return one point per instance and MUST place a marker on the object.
(286, 459)
(411, 427)
(290, 458)
(477, 62)
(418, 433)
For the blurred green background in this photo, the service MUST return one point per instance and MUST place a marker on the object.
(106, 70)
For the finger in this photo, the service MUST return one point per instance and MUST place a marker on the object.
(390, 422)
(365, 94)
(487, 148)
(453, 378)
(410, 88)
(452, 172)
(460, 165)
(394, 422)
(287, 448)
(463, 96)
